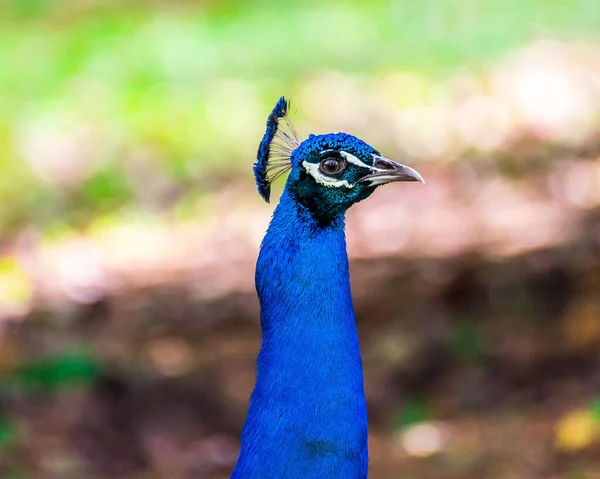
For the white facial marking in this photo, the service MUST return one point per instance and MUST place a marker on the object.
(313, 170)
(354, 160)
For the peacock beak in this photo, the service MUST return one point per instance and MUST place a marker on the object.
(385, 170)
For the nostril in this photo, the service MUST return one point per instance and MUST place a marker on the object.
(383, 164)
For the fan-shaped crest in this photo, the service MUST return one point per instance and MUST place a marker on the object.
(275, 150)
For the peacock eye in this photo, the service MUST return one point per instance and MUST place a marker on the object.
(332, 166)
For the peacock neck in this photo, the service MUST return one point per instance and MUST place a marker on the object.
(307, 416)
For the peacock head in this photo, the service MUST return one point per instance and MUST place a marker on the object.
(328, 173)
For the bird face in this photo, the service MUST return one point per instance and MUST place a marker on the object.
(329, 173)
(332, 172)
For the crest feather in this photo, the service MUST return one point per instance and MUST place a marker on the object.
(275, 150)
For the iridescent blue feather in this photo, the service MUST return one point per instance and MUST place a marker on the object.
(275, 150)
(308, 416)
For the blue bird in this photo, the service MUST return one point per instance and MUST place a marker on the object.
(307, 416)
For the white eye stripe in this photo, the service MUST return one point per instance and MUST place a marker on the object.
(313, 170)
(350, 158)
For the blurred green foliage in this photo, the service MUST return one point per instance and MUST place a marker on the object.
(466, 340)
(52, 373)
(413, 412)
(109, 105)
(595, 408)
(8, 432)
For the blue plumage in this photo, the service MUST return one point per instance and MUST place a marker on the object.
(307, 416)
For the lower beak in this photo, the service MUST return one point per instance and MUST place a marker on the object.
(387, 171)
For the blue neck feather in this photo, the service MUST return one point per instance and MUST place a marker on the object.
(307, 416)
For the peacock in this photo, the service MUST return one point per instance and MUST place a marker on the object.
(307, 416)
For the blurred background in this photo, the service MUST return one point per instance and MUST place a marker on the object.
(129, 227)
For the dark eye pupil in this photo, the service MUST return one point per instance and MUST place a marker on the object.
(331, 166)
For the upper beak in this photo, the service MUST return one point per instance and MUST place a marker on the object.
(386, 171)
